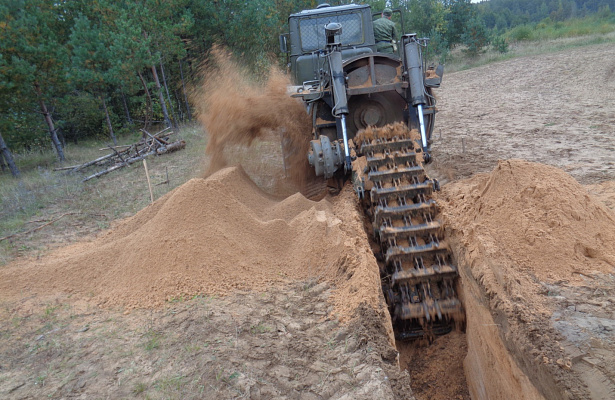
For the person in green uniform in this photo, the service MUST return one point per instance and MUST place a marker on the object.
(385, 32)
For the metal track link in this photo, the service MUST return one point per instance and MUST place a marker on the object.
(419, 277)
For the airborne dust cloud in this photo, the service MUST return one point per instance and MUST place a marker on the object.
(235, 110)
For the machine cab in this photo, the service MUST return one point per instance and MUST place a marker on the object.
(306, 40)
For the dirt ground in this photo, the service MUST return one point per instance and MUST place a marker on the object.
(554, 109)
(278, 343)
(219, 290)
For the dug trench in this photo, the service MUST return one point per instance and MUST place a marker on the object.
(202, 295)
(522, 281)
(435, 364)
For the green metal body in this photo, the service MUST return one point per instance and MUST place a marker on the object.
(307, 38)
(376, 87)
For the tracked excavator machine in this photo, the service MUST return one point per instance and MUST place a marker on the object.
(354, 96)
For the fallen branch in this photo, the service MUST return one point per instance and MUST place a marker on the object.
(38, 228)
(65, 168)
(171, 147)
(118, 166)
(154, 137)
(124, 146)
(117, 154)
(163, 131)
(99, 159)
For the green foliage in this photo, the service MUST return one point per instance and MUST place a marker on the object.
(550, 29)
(460, 14)
(80, 116)
(475, 37)
(438, 45)
(521, 33)
(500, 44)
(503, 14)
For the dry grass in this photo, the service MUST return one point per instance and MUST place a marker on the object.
(43, 195)
(458, 61)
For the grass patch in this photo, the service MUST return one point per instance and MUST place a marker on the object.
(260, 328)
(153, 340)
(139, 388)
(170, 385)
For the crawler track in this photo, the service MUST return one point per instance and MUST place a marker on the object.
(418, 276)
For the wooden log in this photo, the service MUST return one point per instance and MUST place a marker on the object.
(118, 166)
(154, 138)
(162, 131)
(165, 134)
(65, 168)
(180, 144)
(117, 154)
(99, 159)
(87, 164)
(123, 146)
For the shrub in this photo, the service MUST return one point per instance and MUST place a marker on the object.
(500, 44)
(521, 33)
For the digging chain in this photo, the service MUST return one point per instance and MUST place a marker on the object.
(418, 276)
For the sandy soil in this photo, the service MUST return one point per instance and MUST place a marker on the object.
(527, 233)
(529, 239)
(278, 343)
(208, 239)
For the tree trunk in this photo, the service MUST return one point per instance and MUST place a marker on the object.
(52, 130)
(2, 164)
(184, 89)
(167, 120)
(6, 154)
(128, 117)
(109, 125)
(180, 109)
(166, 88)
(149, 101)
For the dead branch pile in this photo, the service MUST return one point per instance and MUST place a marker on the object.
(121, 156)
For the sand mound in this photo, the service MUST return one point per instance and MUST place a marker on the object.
(212, 236)
(537, 216)
(520, 234)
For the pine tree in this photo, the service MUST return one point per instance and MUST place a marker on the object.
(32, 44)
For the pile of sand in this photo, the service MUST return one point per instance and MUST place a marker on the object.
(210, 237)
(536, 216)
(516, 232)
